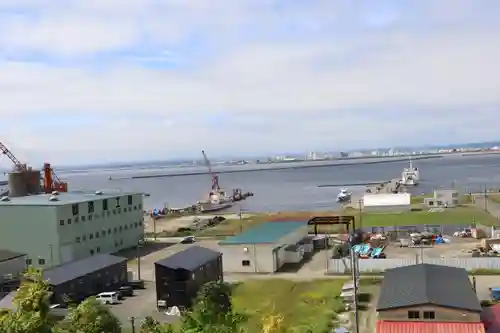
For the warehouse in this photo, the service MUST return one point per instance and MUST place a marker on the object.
(387, 202)
(70, 226)
(427, 297)
(87, 277)
(265, 248)
(180, 276)
(12, 266)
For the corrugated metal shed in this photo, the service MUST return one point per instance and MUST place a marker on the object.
(73, 270)
(427, 284)
(386, 199)
(265, 233)
(427, 327)
(189, 259)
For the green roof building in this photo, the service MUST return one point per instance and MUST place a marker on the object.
(56, 228)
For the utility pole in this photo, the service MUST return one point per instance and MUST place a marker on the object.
(354, 273)
(360, 212)
(138, 262)
(485, 199)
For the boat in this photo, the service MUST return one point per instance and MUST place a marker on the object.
(410, 175)
(208, 207)
(344, 195)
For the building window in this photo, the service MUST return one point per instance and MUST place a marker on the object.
(91, 236)
(83, 218)
(74, 209)
(114, 211)
(90, 217)
(84, 238)
(105, 204)
(125, 209)
(97, 234)
(117, 202)
(76, 219)
(413, 315)
(140, 206)
(90, 207)
(98, 250)
(91, 252)
(245, 263)
(135, 207)
(69, 221)
(109, 231)
(41, 261)
(61, 222)
(77, 239)
(29, 262)
(429, 315)
(129, 200)
(103, 232)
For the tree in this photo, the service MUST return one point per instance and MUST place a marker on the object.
(31, 313)
(212, 311)
(149, 325)
(90, 316)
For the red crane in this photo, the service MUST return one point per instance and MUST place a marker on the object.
(215, 178)
(50, 180)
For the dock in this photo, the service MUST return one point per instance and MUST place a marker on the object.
(390, 186)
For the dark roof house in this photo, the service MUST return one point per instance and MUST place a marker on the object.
(426, 284)
(76, 269)
(189, 259)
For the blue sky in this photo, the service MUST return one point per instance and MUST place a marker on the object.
(87, 81)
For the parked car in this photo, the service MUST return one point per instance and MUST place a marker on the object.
(125, 291)
(188, 240)
(110, 297)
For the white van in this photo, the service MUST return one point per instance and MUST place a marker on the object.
(108, 297)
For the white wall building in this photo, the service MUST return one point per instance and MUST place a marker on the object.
(387, 202)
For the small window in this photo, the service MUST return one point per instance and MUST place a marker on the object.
(140, 206)
(105, 204)
(109, 231)
(413, 315)
(61, 222)
(90, 207)
(90, 217)
(91, 236)
(77, 239)
(91, 252)
(74, 209)
(69, 221)
(245, 263)
(83, 218)
(125, 209)
(429, 315)
(41, 261)
(98, 250)
(29, 262)
(114, 211)
(97, 234)
(76, 219)
(135, 207)
(103, 232)
(117, 202)
(129, 200)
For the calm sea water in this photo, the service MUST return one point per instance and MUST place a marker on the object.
(293, 189)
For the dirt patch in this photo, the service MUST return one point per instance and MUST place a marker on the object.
(458, 248)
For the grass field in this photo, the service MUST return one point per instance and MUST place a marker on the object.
(494, 197)
(303, 305)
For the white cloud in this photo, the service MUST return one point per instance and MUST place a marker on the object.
(319, 84)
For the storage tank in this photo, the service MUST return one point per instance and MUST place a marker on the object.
(18, 186)
(33, 181)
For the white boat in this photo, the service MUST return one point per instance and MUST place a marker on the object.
(410, 175)
(344, 195)
(217, 200)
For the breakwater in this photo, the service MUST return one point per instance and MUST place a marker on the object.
(290, 167)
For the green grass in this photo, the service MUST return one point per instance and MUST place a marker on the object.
(459, 215)
(494, 197)
(303, 305)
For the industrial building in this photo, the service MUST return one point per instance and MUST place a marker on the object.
(77, 280)
(387, 202)
(12, 266)
(425, 297)
(180, 276)
(442, 199)
(266, 247)
(59, 227)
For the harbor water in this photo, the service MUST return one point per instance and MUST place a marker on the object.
(294, 189)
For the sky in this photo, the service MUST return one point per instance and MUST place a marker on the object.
(93, 81)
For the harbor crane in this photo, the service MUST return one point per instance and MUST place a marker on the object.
(50, 180)
(215, 178)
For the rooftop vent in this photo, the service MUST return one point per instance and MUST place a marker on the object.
(5, 198)
(55, 193)
(98, 192)
(53, 198)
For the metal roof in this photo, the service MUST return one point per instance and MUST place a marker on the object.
(384, 326)
(8, 255)
(190, 258)
(63, 198)
(76, 269)
(427, 284)
(265, 233)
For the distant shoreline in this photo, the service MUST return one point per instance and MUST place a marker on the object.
(302, 166)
